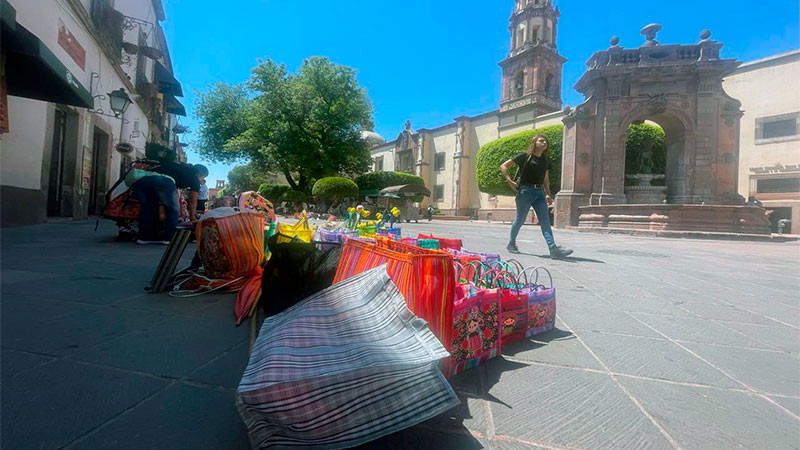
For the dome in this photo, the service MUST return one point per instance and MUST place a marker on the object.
(372, 138)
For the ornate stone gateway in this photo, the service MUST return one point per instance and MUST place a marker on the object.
(678, 87)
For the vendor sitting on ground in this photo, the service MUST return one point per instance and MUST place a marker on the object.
(151, 191)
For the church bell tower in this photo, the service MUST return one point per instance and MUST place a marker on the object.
(532, 70)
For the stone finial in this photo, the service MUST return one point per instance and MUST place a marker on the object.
(705, 34)
(650, 32)
(408, 125)
(614, 41)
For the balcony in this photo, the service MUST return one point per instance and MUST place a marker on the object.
(108, 22)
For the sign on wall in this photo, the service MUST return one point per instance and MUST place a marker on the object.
(71, 45)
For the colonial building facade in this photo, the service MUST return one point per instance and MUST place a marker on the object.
(531, 97)
(64, 63)
(444, 157)
(769, 144)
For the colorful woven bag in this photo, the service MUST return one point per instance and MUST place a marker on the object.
(541, 300)
(426, 278)
(476, 329)
(444, 243)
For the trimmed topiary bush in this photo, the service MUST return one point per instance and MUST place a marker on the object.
(293, 196)
(640, 137)
(273, 192)
(335, 189)
(492, 155)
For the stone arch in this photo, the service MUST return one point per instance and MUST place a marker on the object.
(680, 88)
(679, 134)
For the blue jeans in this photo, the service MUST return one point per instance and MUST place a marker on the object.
(527, 197)
(150, 192)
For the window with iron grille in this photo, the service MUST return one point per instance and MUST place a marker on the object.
(439, 162)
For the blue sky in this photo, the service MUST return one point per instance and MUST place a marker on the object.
(430, 61)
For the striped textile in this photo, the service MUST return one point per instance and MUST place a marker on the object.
(342, 368)
(426, 278)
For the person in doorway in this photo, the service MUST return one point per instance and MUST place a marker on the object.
(202, 198)
(151, 191)
(533, 190)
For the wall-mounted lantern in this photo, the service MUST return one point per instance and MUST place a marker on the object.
(119, 100)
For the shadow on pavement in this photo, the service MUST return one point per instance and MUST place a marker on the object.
(572, 259)
(538, 341)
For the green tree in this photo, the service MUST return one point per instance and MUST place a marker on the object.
(335, 189)
(642, 136)
(495, 153)
(304, 125)
(245, 178)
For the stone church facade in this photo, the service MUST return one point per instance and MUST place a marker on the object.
(531, 98)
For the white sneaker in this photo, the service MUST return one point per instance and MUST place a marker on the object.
(141, 242)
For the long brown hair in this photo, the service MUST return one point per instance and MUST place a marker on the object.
(533, 144)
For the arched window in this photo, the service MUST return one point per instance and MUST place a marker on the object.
(519, 84)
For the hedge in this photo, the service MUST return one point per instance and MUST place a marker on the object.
(380, 180)
(273, 192)
(492, 155)
(335, 189)
(639, 137)
(293, 196)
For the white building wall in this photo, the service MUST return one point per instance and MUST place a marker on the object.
(23, 147)
(443, 141)
(29, 140)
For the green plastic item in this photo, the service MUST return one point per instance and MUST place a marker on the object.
(431, 244)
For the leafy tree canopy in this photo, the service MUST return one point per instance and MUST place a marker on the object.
(248, 177)
(304, 125)
(645, 137)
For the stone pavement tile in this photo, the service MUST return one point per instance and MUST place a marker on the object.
(470, 415)
(94, 289)
(81, 328)
(226, 370)
(653, 358)
(179, 417)
(710, 419)
(570, 408)
(774, 310)
(767, 372)
(12, 363)
(557, 347)
(174, 348)
(650, 305)
(609, 320)
(220, 309)
(782, 337)
(792, 404)
(726, 313)
(422, 437)
(20, 310)
(54, 404)
(509, 443)
(12, 276)
(698, 330)
(163, 302)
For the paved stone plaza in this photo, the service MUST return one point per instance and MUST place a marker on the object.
(661, 343)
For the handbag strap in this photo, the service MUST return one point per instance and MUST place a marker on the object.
(518, 178)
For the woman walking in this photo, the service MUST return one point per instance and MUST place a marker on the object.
(533, 189)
